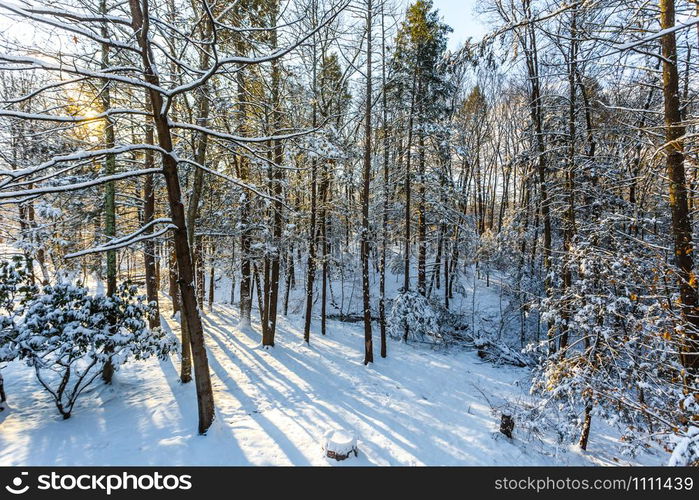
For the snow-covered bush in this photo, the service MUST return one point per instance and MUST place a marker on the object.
(15, 289)
(686, 450)
(686, 442)
(613, 345)
(396, 264)
(498, 352)
(413, 313)
(68, 336)
(453, 324)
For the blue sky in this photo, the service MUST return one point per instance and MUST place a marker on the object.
(460, 16)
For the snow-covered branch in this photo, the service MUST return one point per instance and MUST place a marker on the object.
(128, 239)
(4, 195)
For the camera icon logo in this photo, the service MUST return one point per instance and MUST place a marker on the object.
(16, 488)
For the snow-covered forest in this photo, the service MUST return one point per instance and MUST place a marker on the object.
(280, 232)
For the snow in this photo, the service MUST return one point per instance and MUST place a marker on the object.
(687, 23)
(274, 407)
(687, 450)
(79, 185)
(129, 239)
(340, 443)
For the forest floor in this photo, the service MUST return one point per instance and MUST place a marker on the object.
(418, 406)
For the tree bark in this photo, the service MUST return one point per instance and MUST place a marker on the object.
(3, 398)
(277, 180)
(421, 219)
(366, 293)
(536, 113)
(406, 257)
(244, 174)
(149, 260)
(205, 397)
(587, 423)
(109, 189)
(212, 286)
(311, 268)
(323, 215)
(569, 216)
(674, 162)
(384, 215)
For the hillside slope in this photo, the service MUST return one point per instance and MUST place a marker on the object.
(418, 406)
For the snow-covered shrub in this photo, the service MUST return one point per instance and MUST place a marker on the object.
(68, 335)
(15, 289)
(498, 352)
(613, 345)
(396, 264)
(12, 277)
(686, 450)
(453, 324)
(686, 441)
(413, 313)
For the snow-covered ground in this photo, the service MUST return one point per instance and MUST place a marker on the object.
(418, 406)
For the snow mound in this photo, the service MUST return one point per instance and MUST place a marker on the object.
(340, 444)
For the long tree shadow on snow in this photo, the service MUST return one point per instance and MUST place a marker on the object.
(320, 374)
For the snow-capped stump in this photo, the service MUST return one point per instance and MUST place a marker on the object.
(340, 444)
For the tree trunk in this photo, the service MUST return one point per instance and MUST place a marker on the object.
(3, 398)
(569, 216)
(289, 279)
(173, 290)
(324, 188)
(205, 397)
(149, 259)
(536, 113)
(192, 215)
(232, 271)
(199, 271)
(258, 290)
(421, 219)
(406, 257)
(384, 215)
(109, 189)
(585, 432)
(311, 269)
(245, 236)
(212, 286)
(366, 302)
(674, 161)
